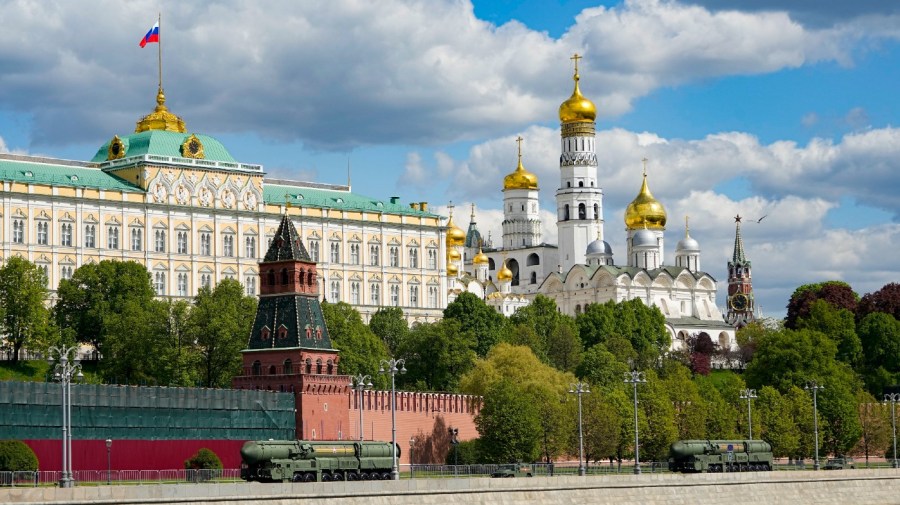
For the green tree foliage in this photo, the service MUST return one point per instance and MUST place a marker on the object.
(437, 355)
(684, 395)
(508, 424)
(660, 430)
(361, 350)
(390, 326)
(96, 295)
(886, 300)
(800, 404)
(643, 327)
(839, 294)
(16, 456)
(604, 411)
(880, 337)
(787, 357)
(477, 317)
(219, 324)
(203, 459)
(775, 424)
(839, 410)
(557, 341)
(721, 416)
(23, 317)
(875, 425)
(600, 367)
(838, 324)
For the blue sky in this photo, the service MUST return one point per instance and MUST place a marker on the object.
(787, 110)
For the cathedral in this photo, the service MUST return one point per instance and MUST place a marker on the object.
(581, 270)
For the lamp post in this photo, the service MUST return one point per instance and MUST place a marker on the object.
(749, 394)
(893, 398)
(412, 443)
(634, 378)
(108, 459)
(391, 366)
(63, 372)
(580, 388)
(360, 383)
(815, 387)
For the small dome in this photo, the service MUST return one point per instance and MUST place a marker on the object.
(505, 274)
(452, 270)
(688, 244)
(520, 179)
(643, 238)
(455, 235)
(598, 247)
(577, 109)
(453, 254)
(481, 258)
(645, 211)
(160, 118)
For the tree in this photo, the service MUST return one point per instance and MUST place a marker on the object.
(557, 340)
(437, 355)
(875, 425)
(220, 324)
(477, 317)
(721, 417)
(600, 367)
(203, 459)
(22, 294)
(361, 350)
(838, 294)
(97, 291)
(660, 431)
(642, 326)
(16, 456)
(787, 357)
(838, 324)
(880, 337)
(390, 326)
(508, 424)
(690, 408)
(886, 300)
(776, 424)
(700, 348)
(604, 410)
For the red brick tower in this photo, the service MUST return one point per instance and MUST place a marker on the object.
(289, 348)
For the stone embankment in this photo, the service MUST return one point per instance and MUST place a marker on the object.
(857, 487)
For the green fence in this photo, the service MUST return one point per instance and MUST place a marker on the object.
(31, 410)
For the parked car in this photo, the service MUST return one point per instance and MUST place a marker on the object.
(509, 471)
(839, 464)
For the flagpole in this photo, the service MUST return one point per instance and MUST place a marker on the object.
(159, 22)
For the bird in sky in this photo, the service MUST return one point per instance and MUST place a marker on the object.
(760, 219)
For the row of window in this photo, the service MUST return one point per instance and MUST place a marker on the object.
(374, 258)
(182, 239)
(375, 294)
(582, 212)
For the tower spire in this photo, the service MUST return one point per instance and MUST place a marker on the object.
(738, 256)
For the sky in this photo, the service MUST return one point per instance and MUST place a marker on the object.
(785, 112)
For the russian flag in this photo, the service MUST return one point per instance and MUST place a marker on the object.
(152, 35)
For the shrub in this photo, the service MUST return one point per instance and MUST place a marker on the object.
(15, 456)
(204, 459)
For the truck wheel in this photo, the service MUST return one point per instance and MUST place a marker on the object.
(309, 477)
(297, 477)
(337, 477)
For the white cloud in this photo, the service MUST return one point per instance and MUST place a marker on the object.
(3, 148)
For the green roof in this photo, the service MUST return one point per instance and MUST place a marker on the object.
(165, 143)
(302, 196)
(57, 173)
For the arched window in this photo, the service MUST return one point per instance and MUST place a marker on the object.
(284, 276)
(308, 365)
(256, 369)
(533, 259)
(580, 184)
(582, 211)
(330, 367)
(596, 211)
(288, 367)
(270, 278)
(272, 370)
(310, 280)
(566, 213)
(319, 366)
(534, 277)
(577, 310)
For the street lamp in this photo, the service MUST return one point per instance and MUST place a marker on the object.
(749, 394)
(893, 398)
(360, 383)
(390, 366)
(63, 372)
(412, 443)
(580, 388)
(815, 387)
(634, 378)
(108, 459)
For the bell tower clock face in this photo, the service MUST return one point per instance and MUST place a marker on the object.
(740, 302)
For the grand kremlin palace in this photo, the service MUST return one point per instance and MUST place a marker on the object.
(177, 202)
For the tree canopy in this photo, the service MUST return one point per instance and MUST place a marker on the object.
(477, 317)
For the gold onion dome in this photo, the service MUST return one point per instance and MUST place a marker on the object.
(480, 258)
(455, 235)
(453, 255)
(520, 178)
(505, 274)
(645, 211)
(161, 118)
(577, 109)
(452, 270)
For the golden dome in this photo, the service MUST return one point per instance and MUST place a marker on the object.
(480, 258)
(455, 235)
(160, 118)
(452, 270)
(520, 178)
(505, 274)
(645, 211)
(577, 109)
(453, 254)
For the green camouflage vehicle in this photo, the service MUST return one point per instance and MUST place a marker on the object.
(516, 470)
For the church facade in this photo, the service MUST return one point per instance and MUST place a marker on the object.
(581, 270)
(180, 204)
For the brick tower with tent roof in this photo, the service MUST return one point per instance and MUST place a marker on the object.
(289, 348)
